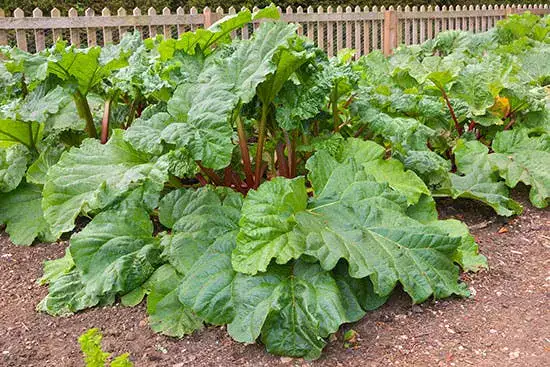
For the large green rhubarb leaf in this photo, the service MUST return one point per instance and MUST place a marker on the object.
(207, 288)
(467, 254)
(301, 100)
(473, 86)
(113, 255)
(116, 252)
(293, 307)
(67, 295)
(88, 66)
(21, 211)
(371, 158)
(267, 223)
(94, 175)
(478, 180)
(38, 171)
(144, 134)
(191, 237)
(364, 222)
(201, 246)
(353, 218)
(520, 158)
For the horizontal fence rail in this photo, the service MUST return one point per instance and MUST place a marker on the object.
(332, 29)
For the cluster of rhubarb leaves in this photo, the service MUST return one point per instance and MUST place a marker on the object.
(260, 185)
(468, 113)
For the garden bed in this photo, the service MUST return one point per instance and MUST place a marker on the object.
(505, 323)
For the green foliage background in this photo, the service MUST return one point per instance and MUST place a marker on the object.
(97, 5)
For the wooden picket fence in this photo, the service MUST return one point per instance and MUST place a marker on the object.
(362, 29)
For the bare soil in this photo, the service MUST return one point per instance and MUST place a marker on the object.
(505, 323)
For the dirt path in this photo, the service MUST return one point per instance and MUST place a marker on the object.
(506, 323)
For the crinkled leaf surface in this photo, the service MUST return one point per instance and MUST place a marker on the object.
(301, 101)
(207, 288)
(116, 251)
(38, 170)
(292, 306)
(352, 218)
(365, 222)
(144, 134)
(167, 315)
(467, 254)
(520, 158)
(473, 87)
(21, 211)
(429, 166)
(371, 158)
(67, 295)
(92, 176)
(266, 225)
(479, 181)
(13, 164)
(53, 269)
(200, 248)
(87, 66)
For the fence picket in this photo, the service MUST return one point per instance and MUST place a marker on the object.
(136, 12)
(91, 35)
(310, 25)
(330, 35)
(339, 31)
(39, 40)
(152, 28)
(121, 12)
(300, 29)
(320, 29)
(193, 13)
(375, 45)
(167, 28)
(357, 27)
(57, 34)
(407, 34)
(20, 34)
(422, 25)
(180, 12)
(207, 15)
(107, 32)
(414, 27)
(74, 33)
(349, 33)
(366, 33)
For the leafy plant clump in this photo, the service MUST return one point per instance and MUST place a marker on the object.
(94, 356)
(260, 185)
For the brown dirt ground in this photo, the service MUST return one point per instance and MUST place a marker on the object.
(505, 323)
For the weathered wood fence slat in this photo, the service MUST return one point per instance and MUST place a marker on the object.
(362, 29)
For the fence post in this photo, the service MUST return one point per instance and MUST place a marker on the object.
(390, 31)
(3, 33)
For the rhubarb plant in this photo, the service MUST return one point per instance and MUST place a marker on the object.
(259, 184)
